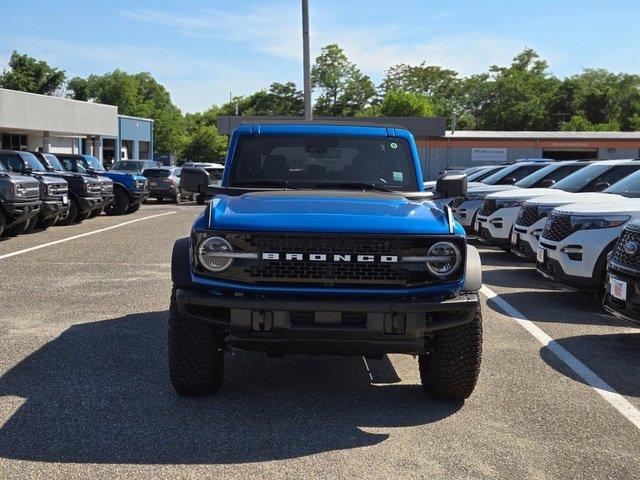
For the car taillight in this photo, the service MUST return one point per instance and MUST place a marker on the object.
(170, 181)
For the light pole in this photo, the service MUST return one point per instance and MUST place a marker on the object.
(308, 112)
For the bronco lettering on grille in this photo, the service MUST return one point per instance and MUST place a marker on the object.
(321, 257)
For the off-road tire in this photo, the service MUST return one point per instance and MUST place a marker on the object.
(82, 216)
(47, 222)
(3, 222)
(95, 213)
(134, 208)
(31, 226)
(120, 204)
(71, 215)
(199, 199)
(16, 230)
(196, 357)
(450, 370)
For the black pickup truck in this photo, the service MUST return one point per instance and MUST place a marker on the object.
(53, 191)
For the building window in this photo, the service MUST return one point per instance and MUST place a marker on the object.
(143, 148)
(14, 141)
(126, 152)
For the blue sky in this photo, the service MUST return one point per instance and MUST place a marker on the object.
(202, 50)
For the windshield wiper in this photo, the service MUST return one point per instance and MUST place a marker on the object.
(354, 186)
(265, 184)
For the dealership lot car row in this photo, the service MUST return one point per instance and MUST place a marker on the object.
(567, 217)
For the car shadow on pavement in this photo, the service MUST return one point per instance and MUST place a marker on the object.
(615, 358)
(520, 278)
(568, 307)
(99, 393)
(500, 258)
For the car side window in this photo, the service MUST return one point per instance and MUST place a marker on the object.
(12, 163)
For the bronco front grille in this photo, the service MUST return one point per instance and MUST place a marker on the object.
(528, 215)
(619, 256)
(489, 207)
(57, 189)
(558, 227)
(335, 273)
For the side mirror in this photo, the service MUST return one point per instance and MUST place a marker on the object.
(508, 181)
(27, 170)
(452, 185)
(601, 186)
(194, 179)
(548, 183)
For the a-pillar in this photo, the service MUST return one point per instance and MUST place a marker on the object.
(46, 142)
(97, 148)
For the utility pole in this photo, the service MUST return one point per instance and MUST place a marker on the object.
(308, 112)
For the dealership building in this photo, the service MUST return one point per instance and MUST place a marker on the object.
(59, 125)
(440, 148)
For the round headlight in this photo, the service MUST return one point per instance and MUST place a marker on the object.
(211, 254)
(445, 267)
(19, 190)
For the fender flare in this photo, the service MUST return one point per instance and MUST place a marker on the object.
(181, 264)
(473, 271)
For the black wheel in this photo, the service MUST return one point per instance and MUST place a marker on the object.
(196, 357)
(16, 230)
(31, 226)
(82, 216)
(120, 204)
(177, 198)
(95, 213)
(134, 208)
(71, 215)
(450, 370)
(3, 222)
(200, 199)
(47, 222)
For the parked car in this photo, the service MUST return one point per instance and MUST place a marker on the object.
(215, 171)
(130, 189)
(622, 294)
(581, 187)
(19, 201)
(474, 174)
(53, 191)
(85, 198)
(497, 215)
(164, 183)
(134, 166)
(466, 209)
(348, 264)
(577, 238)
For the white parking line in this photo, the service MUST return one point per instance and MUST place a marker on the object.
(607, 392)
(75, 237)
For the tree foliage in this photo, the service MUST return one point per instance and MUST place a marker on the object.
(205, 144)
(397, 103)
(27, 74)
(344, 89)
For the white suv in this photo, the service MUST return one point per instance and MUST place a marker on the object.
(532, 216)
(498, 213)
(466, 208)
(574, 244)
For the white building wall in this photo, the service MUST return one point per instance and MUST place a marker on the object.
(58, 144)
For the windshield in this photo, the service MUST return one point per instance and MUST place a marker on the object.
(551, 172)
(156, 172)
(33, 162)
(129, 165)
(317, 161)
(54, 162)
(516, 172)
(93, 162)
(595, 177)
(480, 175)
(628, 187)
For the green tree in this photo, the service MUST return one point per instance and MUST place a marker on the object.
(345, 90)
(27, 74)
(406, 104)
(579, 123)
(205, 145)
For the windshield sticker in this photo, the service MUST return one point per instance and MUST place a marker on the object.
(397, 176)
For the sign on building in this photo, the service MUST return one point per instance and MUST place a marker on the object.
(488, 154)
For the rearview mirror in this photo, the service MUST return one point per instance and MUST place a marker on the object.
(452, 185)
(194, 179)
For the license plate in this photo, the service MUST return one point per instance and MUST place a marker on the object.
(541, 255)
(618, 288)
(153, 184)
(514, 238)
(65, 199)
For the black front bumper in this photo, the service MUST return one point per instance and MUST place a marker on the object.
(20, 211)
(484, 236)
(552, 270)
(327, 325)
(628, 309)
(52, 208)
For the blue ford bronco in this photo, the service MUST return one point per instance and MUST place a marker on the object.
(321, 240)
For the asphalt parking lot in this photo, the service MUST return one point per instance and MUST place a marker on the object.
(84, 391)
